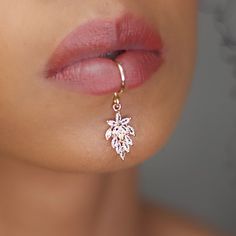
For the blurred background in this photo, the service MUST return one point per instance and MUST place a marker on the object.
(196, 171)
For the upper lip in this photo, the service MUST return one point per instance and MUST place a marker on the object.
(108, 39)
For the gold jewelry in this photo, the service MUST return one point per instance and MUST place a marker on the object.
(119, 130)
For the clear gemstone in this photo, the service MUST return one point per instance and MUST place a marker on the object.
(119, 131)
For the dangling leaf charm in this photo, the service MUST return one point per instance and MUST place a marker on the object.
(119, 132)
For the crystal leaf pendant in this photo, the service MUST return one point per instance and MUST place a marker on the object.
(120, 132)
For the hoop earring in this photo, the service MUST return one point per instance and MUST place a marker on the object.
(119, 130)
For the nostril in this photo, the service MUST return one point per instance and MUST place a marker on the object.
(113, 55)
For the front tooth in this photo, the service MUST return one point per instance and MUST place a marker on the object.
(114, 54)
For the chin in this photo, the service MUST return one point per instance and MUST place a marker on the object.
(65, 154)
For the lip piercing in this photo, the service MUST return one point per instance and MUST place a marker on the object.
(119, 130)
(116, 97)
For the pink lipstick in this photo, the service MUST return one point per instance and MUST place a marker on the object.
(84, 60)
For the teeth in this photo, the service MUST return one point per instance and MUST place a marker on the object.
(113, 55)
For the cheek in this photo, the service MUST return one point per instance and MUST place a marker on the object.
(162, 102)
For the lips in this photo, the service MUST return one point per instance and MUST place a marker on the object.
(85, 59)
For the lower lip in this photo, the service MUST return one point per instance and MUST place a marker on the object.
(99, 76)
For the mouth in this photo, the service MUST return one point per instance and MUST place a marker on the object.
(86, 59)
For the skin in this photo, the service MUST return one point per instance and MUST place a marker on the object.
(58, 175)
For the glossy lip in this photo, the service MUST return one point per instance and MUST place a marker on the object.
(80, 62)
